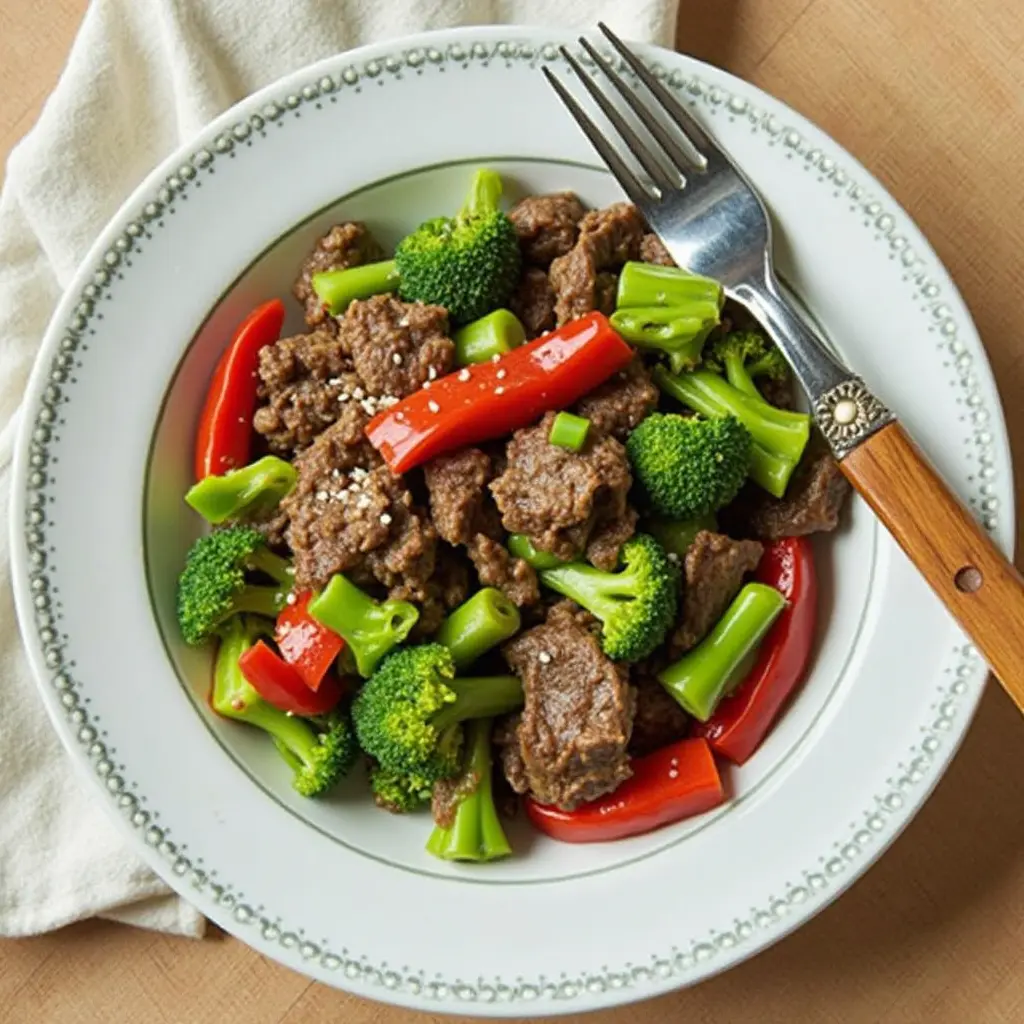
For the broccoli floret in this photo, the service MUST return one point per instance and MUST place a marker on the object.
(319, 751)
(744, 356)
(475, 832)
(779, 435)
(687, 467)
(468, 263)
(408, 715)
(216, 581)
(369, 628)
(399, 792)
(636, 604)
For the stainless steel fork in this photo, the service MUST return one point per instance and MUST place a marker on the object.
(713, 222)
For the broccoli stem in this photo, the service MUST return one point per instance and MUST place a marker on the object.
(780, 436)
(477, 625)
(250, 491)
(738, 376)
(476, 833)
(485, 697)
(253, 600)
(484, 194)
(676, 535)
(277, 568)
(370, 629)
(596, 590)
(493, 335)
(522, 547)
(337, 288)
(647, 284)
(676, 331)
(705, 674)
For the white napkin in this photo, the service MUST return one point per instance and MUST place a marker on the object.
(142, 78)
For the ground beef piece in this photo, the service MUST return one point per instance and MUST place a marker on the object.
(621, 402)
(533, 302)
(581, 278)
(812, 503)
(510, 755)
(304, 382)
(495, 567)
(713, 572)
(659, 720)
(344, 246)
(556, 496)
(464, 514)
(577, 718)
(605, 544)
(272, 527)
(546, 225)
(437, 596)
(652, 250)
(777, 392)
(396, 346)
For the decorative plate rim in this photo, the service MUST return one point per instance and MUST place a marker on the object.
(917, 774)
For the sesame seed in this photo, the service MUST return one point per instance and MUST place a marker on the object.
(364, 501)
(241, 419)
(544, 658)
(499, 390)
(321, 495)
(359, 473)
(501, 374)
(431, 373)
(387, 401)
(396, 358)
(343, 397)
(496, 358)
(290, 599)
(433, 407)
(336, 473)
(404, 322)
(463, 374)
(673, 773)
(368, 407)
(334, 381)
(353, 487)
(358, 393)
(385, 519)
(426, 384)
(399, 415)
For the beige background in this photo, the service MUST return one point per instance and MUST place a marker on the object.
(929, 94)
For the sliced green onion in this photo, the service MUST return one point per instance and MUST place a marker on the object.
(337, 288)
(569, 431)
(493, 335)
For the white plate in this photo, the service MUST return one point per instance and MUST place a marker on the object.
(337, 889)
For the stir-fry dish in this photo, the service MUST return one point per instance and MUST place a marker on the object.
(520, 522)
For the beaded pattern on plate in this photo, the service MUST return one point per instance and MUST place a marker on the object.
(679, 962)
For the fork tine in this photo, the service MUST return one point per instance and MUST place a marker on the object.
(681, 160)
(699, 139)
(644, 156)
(623, 174)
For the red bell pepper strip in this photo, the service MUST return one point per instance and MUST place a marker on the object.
(675, 782)
(489, 400)
(307, 645)
(743, 719)
(225, 426)
(281, 685)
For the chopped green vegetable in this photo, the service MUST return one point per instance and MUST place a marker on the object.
(249, 492)
(470, 263)
(217, 582)
(636, 604)
(520, 546)
(779, 436)
(477, 625)
(369, 628)
(475, 834)
(642, 285)
(676, 535)
(676, 331)
(492, 335)
(705, 674)
(318, 752)
(569, 431)
(743, 356)
(337, 288)
(686, 467)
(399, 792)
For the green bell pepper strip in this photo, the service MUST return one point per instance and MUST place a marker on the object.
(520, 546)
(337, 288)
(676, 535)
(370, 629)
(648, 284)
(477, 625)
(245, 493)
(705, 674)
(569, 431)
(493, 335)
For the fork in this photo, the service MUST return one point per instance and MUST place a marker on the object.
(713, 222)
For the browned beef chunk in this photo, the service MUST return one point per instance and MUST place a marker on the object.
(713, 572)
(577, 718)
(344, 246)
(584, 278)
(546, 225)
(652, 250)
(464, 513)
(558, 497)
(396, 346)
(343, 518)
(659, 719)
(438, 595)
(533, 302)
(305, 383)
(605, 544)
(510, 755)
(812, 503)
(777, 392)
(621, 402)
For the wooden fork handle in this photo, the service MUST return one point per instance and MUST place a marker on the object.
(981, 588)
